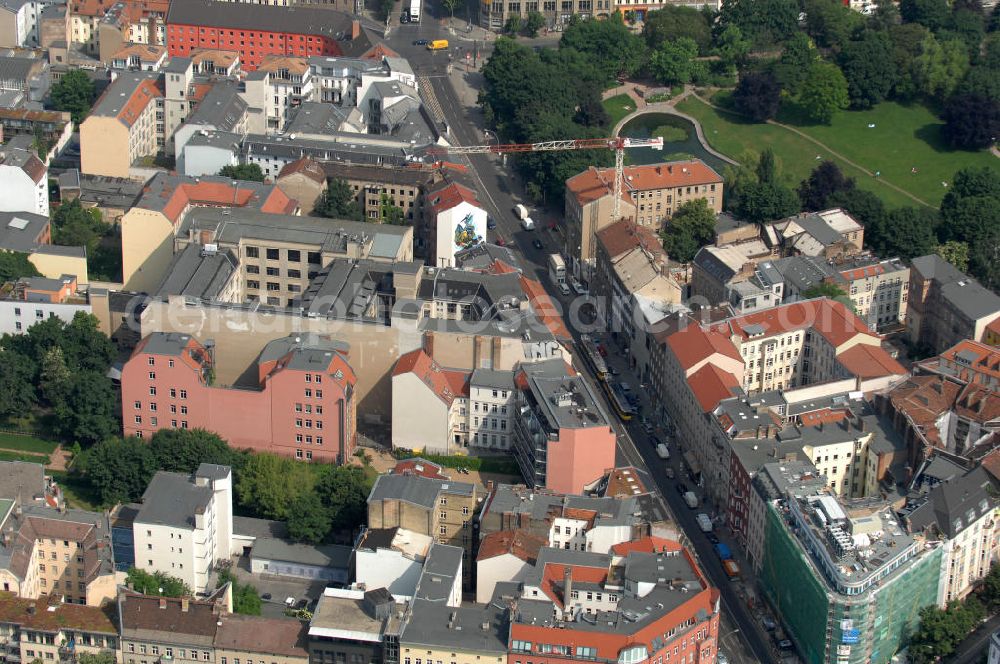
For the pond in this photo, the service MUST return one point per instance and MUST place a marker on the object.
(679, 140)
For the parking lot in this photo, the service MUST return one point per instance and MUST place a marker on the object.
(278, 587)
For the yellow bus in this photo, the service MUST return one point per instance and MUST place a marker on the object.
(437, 45)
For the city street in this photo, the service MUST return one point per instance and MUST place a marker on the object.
(453, 96)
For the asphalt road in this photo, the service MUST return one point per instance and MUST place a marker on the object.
(741, 637)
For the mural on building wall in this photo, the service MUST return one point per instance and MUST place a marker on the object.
(466, 233)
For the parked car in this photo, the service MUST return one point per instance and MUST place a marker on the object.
(564, 289)
(647, 426)
(626, 388)
(713, 538)
(769, 623)
(289, 602)
(720, 658)
(785, 644)
(266, 597)
(615, 371)
(420, 42)
(537, 244)
(303, 603)
(490, 223)
(577, 287)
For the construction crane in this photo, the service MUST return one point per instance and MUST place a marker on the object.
(618, 144)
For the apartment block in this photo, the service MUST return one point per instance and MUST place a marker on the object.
(185, 524)
(828, 234)
(34, 299)
(404, 187)
(303, 404)
(53, 552)
(946, 306)
(19, 23)
(494, 15)
(652, 193)
(256, 30)
(55, 126)
(181, 629)
(122, 126)
(24, 181)
(304, 181)
(563, 439)
(359, 625)
(443, 510)
(49, 630)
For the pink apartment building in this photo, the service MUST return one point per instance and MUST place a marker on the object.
(302, 405)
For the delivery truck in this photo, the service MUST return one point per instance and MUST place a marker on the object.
(691, 499)
(704, 523)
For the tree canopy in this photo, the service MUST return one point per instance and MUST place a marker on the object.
(249, 172)
(765, 22)
(74, 93)
(758, 96)
(672, 22)
(156, 583)
(14, 265)
(824, 92)
(825, 181)
(339, 202)
(614, 50)
(690, 228)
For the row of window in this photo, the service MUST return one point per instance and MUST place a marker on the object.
(291, 255)
(152, 406)
(155, 422)
(168, 651)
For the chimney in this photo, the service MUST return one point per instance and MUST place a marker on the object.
(567, 586)
(185, 604)
(355, 29)
(163, 603)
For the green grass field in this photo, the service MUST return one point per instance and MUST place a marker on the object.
(78, 493)
(13, 441)
(618, 107)
(24, 456)
(903, 137)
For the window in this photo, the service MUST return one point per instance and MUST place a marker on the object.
(253, 252)
(319, 394)
(309, 393)
(138, 419)
(273, 272)
(151, 360)
(137, 405)
(184, 394)
(272, 254)
(152, 375)
(251, 283)
(294, 256)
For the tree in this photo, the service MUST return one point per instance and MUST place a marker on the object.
(73, 93)
(156, 583)
(956, 253)
(732, 48)
(344, 490)
(932, 14)
(767, 167)
(104, 657)
(592, 112)
(451, 6)
(88, 412)
(55, 376)
(246, 600)
(824, 92)
(970, 213)
(904, 232)
(183, 450)
(119, 470)
(308, 519)
(941, 630)
(796, 62)
(17, 393)
(972, 122)
(84, 346)
(940, 66)
(615, 51)
(673, 63)
(74, 225)
(765, 22)
(339, 202)
(825, 180)
(758, 96)
(691, 227)
(248, 172)
(824, 289)
(672, 22)
(869, 69)
(513, 26)
(907, 43)
(967, 26)
(389, 212)
(766, 201)
(14, 265)
(268, 484)
(534, 23)
(830, 22)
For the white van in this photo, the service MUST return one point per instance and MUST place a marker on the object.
(528, 224)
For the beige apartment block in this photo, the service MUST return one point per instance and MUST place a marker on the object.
(121, 127)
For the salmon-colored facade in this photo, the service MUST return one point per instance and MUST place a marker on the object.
(579, 457)
(304, 406)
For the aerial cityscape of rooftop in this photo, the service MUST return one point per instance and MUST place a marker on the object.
(499, 331)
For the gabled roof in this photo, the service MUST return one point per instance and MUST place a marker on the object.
(693, 344)
(866, 361)
(626, 235)
(829, 318)
(450, 196)
(445, 384)
(306, 167)
(710, 385)
(518, 543)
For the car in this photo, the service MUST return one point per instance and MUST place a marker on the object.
(769, 623)
(682, 488)
(420, 42)
(647, 426)
(785, 644)
(602, 350)
(537, 244)
(564, 289)
(626, 388)
(615, 371)
(669, 472)
(266, 597)
(490, 223)
(303, 603)
(501, 242)
(578, 287)
(720, 658)
(289, 601)
(713, 538)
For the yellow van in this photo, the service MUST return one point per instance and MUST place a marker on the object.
(437, 45)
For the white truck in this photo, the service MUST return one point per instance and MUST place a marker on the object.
(663, 451)
(691, 499)
(704, 523)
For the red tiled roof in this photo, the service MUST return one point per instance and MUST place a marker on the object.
(592, 185)
(649, 544)
(142, 96)
(544, 308)
(595, 183)
(693, 344)
(710, 385)
(306, 167)
(421, 467)
(446, 384)
(518, 543)
(986, 362)
(222, 194)
(626, 235)
(450, 196)
(863, 272)
(991, 463)
(865, 361)
(824, 416)
(994, 327)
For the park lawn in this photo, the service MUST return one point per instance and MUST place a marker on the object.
(904, 137)
(618, 107)
(13, 441)
(6, 455)
(731, 135)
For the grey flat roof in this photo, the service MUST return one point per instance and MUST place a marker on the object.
(19, 230)
(165, 343)
(21, 480)
(221, 108)
(492, 378)
(196, 275)
(566, 401)
(108, 191)
(258, 528)
(415, 489)
(322, 555)
(435, 624)
(241, 16)
(173, 499)
(442, 569)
